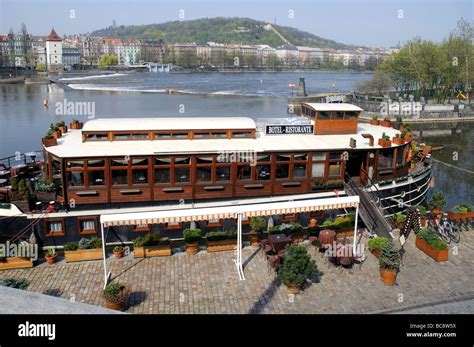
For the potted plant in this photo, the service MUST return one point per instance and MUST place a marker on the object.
(44, 191)
(118, 251)
(389, 262)
(258, 225)
(429, 242)
(274, 230)
(376, 245)
(192, 238)
(374, 120)
(20, 195)
(85, 249)
(387, 122)
(49, 140)
(115, 295)
(398, 139)
(152, 245)
(51, 256)
(437, 202)
(297, 268)
(318, 183)
(76, 124)
(344, 226)
(384, 141)
(54, 128)
(461, 211)
(62, 127)
(221, 241)
(398, 123)
(399, 219)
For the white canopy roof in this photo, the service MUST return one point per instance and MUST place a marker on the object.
(253, 210)
(177, 123)
(333, 106)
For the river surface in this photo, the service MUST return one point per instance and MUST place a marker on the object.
(24, 120)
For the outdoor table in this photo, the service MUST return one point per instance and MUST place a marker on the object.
(327, 237)
(4, 172)
(344, 254)
(18, 166)
(279, 242)
(2, 181)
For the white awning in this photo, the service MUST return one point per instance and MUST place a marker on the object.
(225, 212)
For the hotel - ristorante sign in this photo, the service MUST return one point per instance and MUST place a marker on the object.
(288, 129)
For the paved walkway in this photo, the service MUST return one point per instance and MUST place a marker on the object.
(208, 283)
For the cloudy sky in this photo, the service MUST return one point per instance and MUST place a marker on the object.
(360, 22)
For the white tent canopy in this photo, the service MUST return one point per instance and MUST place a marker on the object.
(225, 212)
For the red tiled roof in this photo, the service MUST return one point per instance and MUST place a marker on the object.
(53, 36)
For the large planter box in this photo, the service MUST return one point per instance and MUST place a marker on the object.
(385, 143)
(152, 251)
(76, 126)
(345, 232)
(16, 263)
(45, 196)
(23, 205)
(83, 254)
(49, 142)
(224, 245)
(435, 254)
(460, 215)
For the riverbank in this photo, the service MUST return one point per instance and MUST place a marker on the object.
(367, 117)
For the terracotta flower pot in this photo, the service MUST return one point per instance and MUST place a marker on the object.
(192, 248)
(114, 306)
(386, 123)
(374, 122)
(388, 277)
(313, 223)
(293, 288)
(376, 252)
(119, 254)
(51, 260)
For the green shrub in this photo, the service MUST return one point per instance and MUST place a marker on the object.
(192, 235)
(399, 218)
(389, 258)
(422, 210)
(377, 243)
(164, 241)
(439, 245)
(329, 224)
(375, 117)
(44, 186)
(221, 235)
(437, 201)
(151, 239)
(115, 293)
(85, 243)
(50, 252)
(71, 246)
(258, 224)
(297, 266)
(428, 234)
(96, 242)
(342, 222)
(138, 242)
(118, 249)
(21, 283)
(296, 227)
(460, 209)
(274, 230)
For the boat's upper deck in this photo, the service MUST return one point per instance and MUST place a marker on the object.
(72, 144)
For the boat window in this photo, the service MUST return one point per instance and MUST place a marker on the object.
(283, 157)
(337, 115)
(139, 176)
(179, 135)
(119, 177)
(318, 169)
(181, 174)
(385, 158)
(122, 136)
(263, 172)
(303, 156)
(74, 163)
(140, 162)
(283, 171)
(96, 137)
(351, 115)
(162, 175)
(334, 169)
(182, 160)
(319, 156)
(242, 134)
(400, 156)
(162, 160)
(140, 136)
(119, 162)
(96, 177)
(222, 173)
(323, 115)
(244, 172)
(204, 174)
(95, 163)
(334, 156)
(263, 158)
(204, 160)
(162, 136)
(201, 135)
(299, 170)
(75, 178)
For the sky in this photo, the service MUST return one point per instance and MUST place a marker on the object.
(383, 23)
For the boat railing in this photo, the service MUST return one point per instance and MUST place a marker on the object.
(21, 158)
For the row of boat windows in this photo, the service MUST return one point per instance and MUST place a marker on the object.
(330, 115)
(167, 136)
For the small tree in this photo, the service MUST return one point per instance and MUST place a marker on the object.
(437, 201)
(258, 224)
(389, 258)
(297, 266)
(192, 235)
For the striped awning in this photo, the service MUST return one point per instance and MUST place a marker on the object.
(227, 212)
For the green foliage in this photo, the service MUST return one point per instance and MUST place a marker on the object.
(258, 224)
(192, 235)
(399, 218)
(92, 243)
(50, 252)
(379, 84)
(19, 190)
(437, 201)
(21, 283)
(107, 60)
(432, 238)
(329, 224)
(151, 239)
(389, 258)
(297, 266)
(44, 186)
(439, 245)
(115, 293)
(221, 235)
(377, 243)
(118, 249)
(40, 67)
(274, 230)
(461, 209)
(71, 246)
(375, 117)
(422, 210)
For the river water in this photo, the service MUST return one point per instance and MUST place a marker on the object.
(24, 120)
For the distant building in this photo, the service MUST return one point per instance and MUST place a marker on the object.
(38, 46)
(91, 48)
(54, 52)
(5, 51)
(153, 51)
(71, 57)
(113, 47)
(288, 55)
(131, 52)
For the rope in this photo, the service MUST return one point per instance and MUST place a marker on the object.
(24, 230)
(454, 167)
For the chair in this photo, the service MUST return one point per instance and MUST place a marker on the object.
(424, 153)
